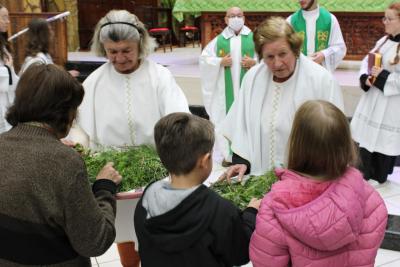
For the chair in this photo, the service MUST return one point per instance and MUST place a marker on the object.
(158, 21)
(194, 31)
(163, 33)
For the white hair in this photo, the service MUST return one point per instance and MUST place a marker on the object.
(120, 25)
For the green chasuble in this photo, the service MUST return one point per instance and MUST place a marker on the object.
(322, 31)
(223, 49)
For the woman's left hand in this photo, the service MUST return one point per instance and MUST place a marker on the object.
(375, 71)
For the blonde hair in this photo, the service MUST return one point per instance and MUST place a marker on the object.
(120, 25)
(396, 7)
(273, 29)
(320, 142)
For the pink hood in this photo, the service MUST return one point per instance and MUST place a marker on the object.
(307, 222)
(332, 221)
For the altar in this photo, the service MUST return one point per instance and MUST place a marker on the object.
(360, 20)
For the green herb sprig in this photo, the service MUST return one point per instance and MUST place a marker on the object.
(241, 194)
(138, 166)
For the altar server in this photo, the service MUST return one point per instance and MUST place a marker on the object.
(8, 78)
(376, 123)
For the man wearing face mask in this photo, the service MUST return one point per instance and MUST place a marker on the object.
(323, 39)
(223, 63)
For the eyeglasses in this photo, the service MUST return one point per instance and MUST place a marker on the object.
(387, 19)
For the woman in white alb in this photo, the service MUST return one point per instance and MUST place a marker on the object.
(259, 122)
(376, 121)
(125, 97)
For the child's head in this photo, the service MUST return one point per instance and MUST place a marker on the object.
(320, 142)
(39, 35)
(182, 141)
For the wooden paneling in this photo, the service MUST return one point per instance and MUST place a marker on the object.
(91, 11)
(360, 30)
(58, 48)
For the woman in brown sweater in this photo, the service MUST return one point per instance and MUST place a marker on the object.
(49, 213)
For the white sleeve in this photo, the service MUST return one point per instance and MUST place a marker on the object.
(171, 97)
(336, 50)
(210, 68)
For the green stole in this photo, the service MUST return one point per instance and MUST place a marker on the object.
(223, 49)
(322, 31)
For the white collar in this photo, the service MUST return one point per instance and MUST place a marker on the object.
(228, 33)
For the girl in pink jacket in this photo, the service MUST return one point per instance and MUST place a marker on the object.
(321, 212)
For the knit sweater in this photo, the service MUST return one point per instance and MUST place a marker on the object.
(49, 215)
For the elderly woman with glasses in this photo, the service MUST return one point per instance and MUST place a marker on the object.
(376, 124)
(259, 122)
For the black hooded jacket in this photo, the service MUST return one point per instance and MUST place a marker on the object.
(203, 230)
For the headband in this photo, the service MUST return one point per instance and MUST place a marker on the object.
(122, 22)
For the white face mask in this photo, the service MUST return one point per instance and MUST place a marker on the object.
(236, 23)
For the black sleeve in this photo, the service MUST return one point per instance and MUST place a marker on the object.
(249, 215)
(380, 81)
(363, 79)
(236, 159)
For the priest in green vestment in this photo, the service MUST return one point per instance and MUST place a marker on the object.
(323, 39)
(223, 63)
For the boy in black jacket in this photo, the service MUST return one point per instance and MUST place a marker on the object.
(180, 222)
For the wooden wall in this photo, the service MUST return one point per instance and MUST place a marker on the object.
(91, 11)
(360, 30)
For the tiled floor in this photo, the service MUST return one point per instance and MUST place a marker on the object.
(183, 64)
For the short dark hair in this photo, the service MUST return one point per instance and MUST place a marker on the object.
(47, 94)
(38, 37)
(320, 142)
(181, 138)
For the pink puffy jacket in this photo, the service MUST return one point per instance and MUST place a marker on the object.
(304, 222)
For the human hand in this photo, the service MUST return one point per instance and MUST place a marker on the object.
(9, 61)
(248, 62)
(74, 73)
(254, 203)
(375, 71)
(108, 172)
(318, 57)
(237, 169)
(368, 81)
(68, 142)
(226, 61)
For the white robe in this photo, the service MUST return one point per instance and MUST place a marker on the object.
(7, 94)
(376, 121)
(259, 121)
(122, 109)
(336, 49)
(39, 58)
(212, 76)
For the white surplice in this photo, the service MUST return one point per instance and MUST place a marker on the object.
(122, 109)
(212, 76)
(7, 94)
(259, 121)
(336, 49)
(376, 121)
(40, 58)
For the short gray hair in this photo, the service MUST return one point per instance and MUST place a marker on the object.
(120, 29)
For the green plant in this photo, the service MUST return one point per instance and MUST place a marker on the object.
(138, 166)
(241, 193)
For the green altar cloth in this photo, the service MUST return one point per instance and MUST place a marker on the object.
(195, 7)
